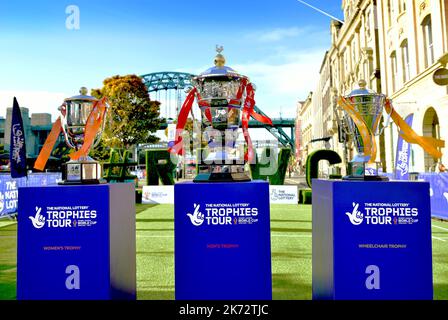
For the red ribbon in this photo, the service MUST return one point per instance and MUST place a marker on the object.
(181, 121)
(248, 111)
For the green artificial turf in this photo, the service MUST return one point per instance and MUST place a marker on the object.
(291, 253)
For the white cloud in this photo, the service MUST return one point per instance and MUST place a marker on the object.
(276, 34)
(35, 101)
(281, 85)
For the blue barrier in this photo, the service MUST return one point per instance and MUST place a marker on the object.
(438, 193)
(9, 188)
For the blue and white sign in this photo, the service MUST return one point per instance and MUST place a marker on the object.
(158, 195)
(9, 194)
(17, 149)
(371, 240)
(222, 241)
(403, 154)
(283, 194)
(76, 242)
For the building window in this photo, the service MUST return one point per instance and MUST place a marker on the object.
(405, 60)
(427, 41)
(393, 67)
(401, 6)
(389, 13)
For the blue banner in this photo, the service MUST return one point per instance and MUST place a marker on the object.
(222, 241)
(371, 240)
(9, 188)
(17, 151)
(438, 193)
(403, 154)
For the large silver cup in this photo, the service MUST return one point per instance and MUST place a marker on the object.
(220, 106)
(370, 106)
(74, 113)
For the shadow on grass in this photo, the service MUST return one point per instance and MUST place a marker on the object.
(290, 255)
(155, 294)
(142, 207)
(440, 291)
(286, 287)
(8, 291)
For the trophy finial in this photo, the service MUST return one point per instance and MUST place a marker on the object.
(362, 84)
(83, 91)
(219, 49)
(220, 61)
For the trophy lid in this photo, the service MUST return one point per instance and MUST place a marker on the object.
(82, 96)
(362, 90)
(220, 69)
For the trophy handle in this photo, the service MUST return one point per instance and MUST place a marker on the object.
(388, 118)
(63, 115)
(103, 124)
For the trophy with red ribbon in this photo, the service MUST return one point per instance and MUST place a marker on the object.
(220, 92)
(82, 122)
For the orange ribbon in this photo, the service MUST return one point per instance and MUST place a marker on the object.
(367, 136)
(45, 152)
(429, 144)
(93, 125)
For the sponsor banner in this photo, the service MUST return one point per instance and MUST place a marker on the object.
(371, 239)
(222, 227)
(438, 193)
(17, 150)
(403, 155)
(9, 194)
(158, 194)
(284, 194)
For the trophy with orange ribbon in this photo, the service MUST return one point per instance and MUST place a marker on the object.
(82, 122)
(363, 109)
(226, 100)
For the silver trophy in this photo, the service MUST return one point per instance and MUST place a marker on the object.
(370, 106)
(74, 113)
(220, 106)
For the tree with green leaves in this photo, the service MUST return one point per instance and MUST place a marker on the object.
(133, 116)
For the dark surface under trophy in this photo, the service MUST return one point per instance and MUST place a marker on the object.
(75, 114)
(363, 109)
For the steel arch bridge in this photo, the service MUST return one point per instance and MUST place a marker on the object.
(167, 80)
(179, 81)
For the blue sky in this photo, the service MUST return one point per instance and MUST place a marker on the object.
(278, 44)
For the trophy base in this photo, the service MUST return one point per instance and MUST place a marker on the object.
(72, 183)
(81, 172)
(222, 177)
(365, 178)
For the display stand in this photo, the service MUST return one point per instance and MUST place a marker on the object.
(76, 242)
(222, 241)
(371, 240)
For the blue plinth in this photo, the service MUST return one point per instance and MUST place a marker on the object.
(222, 241)
(76, 242)
(371, 240)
